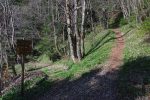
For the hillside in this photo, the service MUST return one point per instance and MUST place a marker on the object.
(98, 57)
(74, 50)
(134, 77)
(98, 47)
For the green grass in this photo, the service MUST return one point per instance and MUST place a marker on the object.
(98, 47)
(135, 45)
(32, 87)
(134, 75)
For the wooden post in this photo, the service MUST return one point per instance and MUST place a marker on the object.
(24, 47)
(22, 78)
(1, 81)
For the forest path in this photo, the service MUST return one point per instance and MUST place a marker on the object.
(99, 84)
(116, 56)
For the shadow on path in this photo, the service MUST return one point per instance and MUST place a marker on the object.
(91, 86)
(98, 84)
(134, 79)
(94, 85)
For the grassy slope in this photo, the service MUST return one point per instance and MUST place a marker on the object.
(135, 45)
(98, 46)
(135, 73)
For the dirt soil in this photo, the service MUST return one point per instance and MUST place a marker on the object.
(98, 84)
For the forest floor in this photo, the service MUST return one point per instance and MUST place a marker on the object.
(41, 76)
(116, 67)
(98, 84)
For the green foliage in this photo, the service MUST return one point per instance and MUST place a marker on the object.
(123, 22)
(129, 27)
(146, 25)
(135, 46)
(44, 58)
(98, 47)
(146, 3)
(115, 21)
(31, 88)
(46, 29)
(46, 49)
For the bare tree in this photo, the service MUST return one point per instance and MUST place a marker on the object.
(82, 27)
(70, 35)
(54, 18)
(78, 37)
(130, 7)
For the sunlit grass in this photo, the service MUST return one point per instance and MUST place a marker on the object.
(96, 55)
(98, 47)
(135, 45)
(135, 71)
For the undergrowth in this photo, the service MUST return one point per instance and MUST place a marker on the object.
(98, 47)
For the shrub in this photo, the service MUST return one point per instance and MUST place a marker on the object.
(45, 47)
(123, 22)
(146, 25)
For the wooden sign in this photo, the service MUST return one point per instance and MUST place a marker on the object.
(24, 47)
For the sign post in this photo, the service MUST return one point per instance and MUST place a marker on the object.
(24, 47)
(22, 78)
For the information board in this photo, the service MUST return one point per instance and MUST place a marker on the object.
(24, 47)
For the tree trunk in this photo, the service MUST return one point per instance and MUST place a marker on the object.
(54, 27)
(78, 39)
(0, 62)
(124, 9)
(82, 29)
(91, 15)
(70, 37)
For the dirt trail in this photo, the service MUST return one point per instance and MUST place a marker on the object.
(95, 85)
(116, 56)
